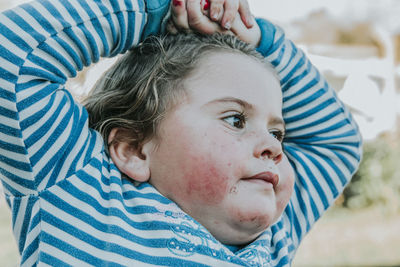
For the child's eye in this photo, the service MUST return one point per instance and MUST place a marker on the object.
(236, 120)
(278, 134)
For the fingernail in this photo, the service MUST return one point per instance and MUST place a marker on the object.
(176, 2)
(250, 21)
(227, 25)
(206, 5)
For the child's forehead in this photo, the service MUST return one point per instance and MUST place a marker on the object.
(225, 56)
(216, 62)
(234, 76)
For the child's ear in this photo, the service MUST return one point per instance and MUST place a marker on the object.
(129, 160)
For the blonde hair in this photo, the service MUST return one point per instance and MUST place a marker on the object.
(143, 84)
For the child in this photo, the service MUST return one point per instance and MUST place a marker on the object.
(69, 201)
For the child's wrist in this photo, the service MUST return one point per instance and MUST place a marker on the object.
(267, 33)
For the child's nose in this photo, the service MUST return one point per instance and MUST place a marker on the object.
(269, 148)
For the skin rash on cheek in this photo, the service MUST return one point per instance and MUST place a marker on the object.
(204, 182)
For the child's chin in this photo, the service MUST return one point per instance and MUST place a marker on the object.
(244, 238)
(255, 222)
(248, 232)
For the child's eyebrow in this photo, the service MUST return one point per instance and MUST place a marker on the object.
(242, 103)
(276, 121)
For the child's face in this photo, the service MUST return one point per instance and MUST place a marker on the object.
(225, 132)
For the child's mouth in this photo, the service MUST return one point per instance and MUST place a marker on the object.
(268, 177)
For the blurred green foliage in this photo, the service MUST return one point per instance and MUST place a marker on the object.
(377, 182)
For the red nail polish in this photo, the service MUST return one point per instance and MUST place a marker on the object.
(176, 2)
(206, 5)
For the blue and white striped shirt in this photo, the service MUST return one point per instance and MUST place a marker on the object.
(70, 205)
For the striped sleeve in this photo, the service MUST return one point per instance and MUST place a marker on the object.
(322, 140)
(43, 132)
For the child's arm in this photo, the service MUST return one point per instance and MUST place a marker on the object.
(322, 141)
(43, 132)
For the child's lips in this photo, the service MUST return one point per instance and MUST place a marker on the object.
(268, 177)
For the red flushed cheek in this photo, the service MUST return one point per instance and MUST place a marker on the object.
(205, 183)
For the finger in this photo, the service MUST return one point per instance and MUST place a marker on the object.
(216, 9)
(230, 10)
(245, 14)
(179, 15)
(197, 21)
(238, 27)
(249, 35)
(206, 6)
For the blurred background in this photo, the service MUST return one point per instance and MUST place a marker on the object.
(356, 45)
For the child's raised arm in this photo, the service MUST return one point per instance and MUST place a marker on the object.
(42, 129)
(44, 136)
(322, 141)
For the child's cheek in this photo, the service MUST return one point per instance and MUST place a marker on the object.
(285, 188)
(204, 181)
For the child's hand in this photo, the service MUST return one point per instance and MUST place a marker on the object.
(224, 12)
(249, 35)
(188, 15)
